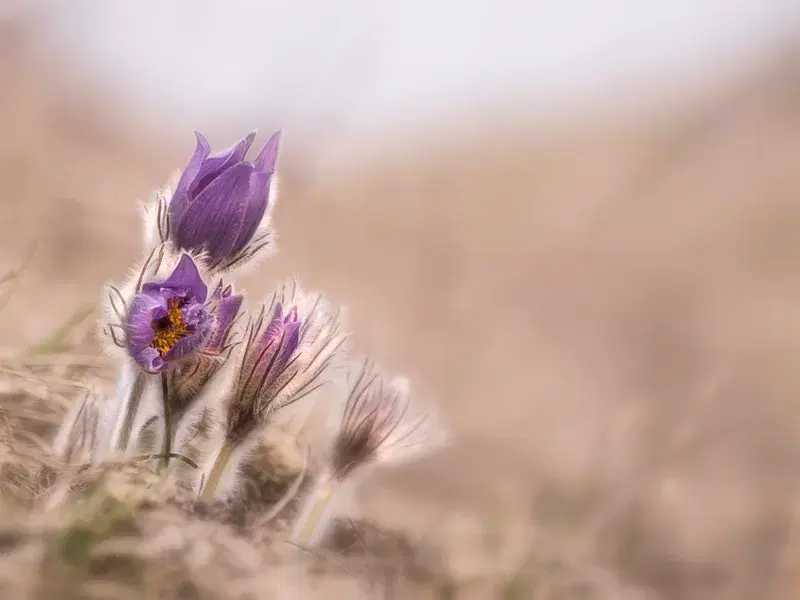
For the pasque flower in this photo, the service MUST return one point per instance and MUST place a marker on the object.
(168, 321)
(221, 199)
(287, 350)
(379, 425)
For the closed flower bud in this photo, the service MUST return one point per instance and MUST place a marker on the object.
(286, 354)
(220, 201)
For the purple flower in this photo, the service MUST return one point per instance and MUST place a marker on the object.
(276, 345)
(221, 199)
(286, 354)
(168, 321)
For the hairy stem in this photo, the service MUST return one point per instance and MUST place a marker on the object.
(310, 525)
(167, 450)
(217, 470)
(130, 409)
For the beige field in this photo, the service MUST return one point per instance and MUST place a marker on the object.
(606, 313)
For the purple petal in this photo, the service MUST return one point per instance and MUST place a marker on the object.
(215, 165)
(196, 316)
(150, 360)
(255, 210)
(267, 344)
(273, 331)
(144, 309)
(291, 339)
(179, 199)
(227, 309)
(214, 219)
(202, 323)
(218, 293)
(185, 281)
(266, 159)
(261, 356)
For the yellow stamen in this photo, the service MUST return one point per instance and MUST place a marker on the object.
(170, 329)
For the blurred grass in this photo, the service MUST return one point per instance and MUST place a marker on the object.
(121, 532)
(12, 278)
(58, 340)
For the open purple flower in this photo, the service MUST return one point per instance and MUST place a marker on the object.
(221, 199)
(168, 321)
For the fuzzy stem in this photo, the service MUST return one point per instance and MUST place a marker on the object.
(71, 431)
(217, 470)
(309, 525)
(167, 450)
(131, 409)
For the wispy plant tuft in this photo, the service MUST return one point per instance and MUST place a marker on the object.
(287, 353)
(379, 426)
(200, 379)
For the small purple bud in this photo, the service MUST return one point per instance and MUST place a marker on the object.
(190, 377)
(288, 348)
(226, 309)
(221, 199)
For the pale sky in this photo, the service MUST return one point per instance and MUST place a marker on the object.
(372, 64)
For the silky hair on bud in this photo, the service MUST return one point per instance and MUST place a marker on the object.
(381, 424)
(155, 213)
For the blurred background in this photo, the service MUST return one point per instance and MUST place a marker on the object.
(573, 224)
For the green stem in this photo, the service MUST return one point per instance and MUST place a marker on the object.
(314, 513)
(215, 475)
(167, 450)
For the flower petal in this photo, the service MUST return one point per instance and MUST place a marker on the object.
(185, 281)
(290, 342)
(227, 309)
(266, 159)
(216, 164)
(263, 170)
(254, 211)
(203, 324)
(149, 360)
(144, 309)
(214, 219)
(180, 197)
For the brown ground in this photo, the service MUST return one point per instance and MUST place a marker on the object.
(605, 313)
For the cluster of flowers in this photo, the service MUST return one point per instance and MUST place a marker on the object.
(204, 358)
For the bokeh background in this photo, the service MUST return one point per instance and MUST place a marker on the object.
(575, 225)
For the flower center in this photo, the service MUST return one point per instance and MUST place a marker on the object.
(171, 328)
